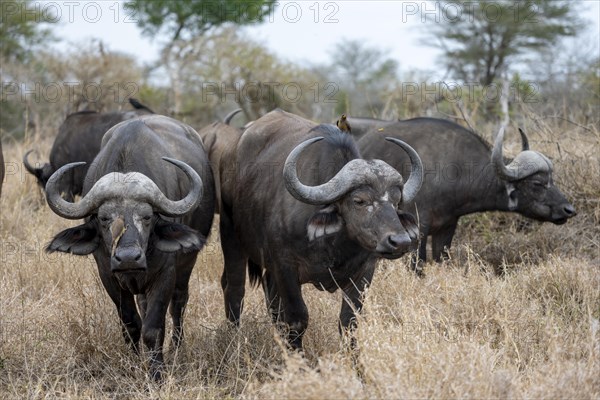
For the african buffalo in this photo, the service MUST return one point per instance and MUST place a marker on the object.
(464, 175)
(298, 212)
(144, 243)
(219, 138)
(79, 139)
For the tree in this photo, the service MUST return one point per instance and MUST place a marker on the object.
(214, 79)
(195, 17)
(38, 94)
(184, 20)
(365, 76)
(20, 28)
(480, 39)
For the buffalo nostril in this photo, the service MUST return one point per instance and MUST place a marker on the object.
(395, 240)
(569, 210)
(128, 255)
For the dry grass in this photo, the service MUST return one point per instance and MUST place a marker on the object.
(463, 331)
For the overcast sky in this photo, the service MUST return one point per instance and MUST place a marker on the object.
(299, 31)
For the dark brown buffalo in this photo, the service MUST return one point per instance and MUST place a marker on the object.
(299, 205)
(219, 138)
(78, 139)
(145, 244)
(464, 175)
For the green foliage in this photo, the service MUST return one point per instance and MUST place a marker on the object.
(20, 28)
(37, 95)
(479, 39)
(213, 80)
(196, 16)
(590, 81)
(342, 104)
(524, 90)
(364, 75)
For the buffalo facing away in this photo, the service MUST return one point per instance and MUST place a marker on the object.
(220, 138)
(144, 243)
(464, 175)
(323, 216)
(78, 139)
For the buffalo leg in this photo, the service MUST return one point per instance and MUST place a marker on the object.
(233, 280)
(131, 323)
(352, 304)
(441, 241)
(142, 304)
(153, 329)
(295, 312)
(271, 299)
(180, 297)
(418, 260)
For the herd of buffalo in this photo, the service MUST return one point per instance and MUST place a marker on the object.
(298, 202)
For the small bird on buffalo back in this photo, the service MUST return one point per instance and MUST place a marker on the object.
(343, 124)
(135, 103)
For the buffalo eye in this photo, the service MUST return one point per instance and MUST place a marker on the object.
(147, 218)
(539, 187)
(359, 202)
(104, 219)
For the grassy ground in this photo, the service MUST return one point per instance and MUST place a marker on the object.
(514, 313)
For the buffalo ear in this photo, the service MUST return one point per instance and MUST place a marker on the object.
(45, 173)
(80, 240)
(42, 174)
(324, 222)
(409, 222)
(171, 237)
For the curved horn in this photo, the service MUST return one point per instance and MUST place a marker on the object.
(133, 184)
(356, 172)
(352, 174)
(498, 159)
(37, 172)
(62, 207)
(524, 164)
(524, 140)
(177, 208)
(230, 116)
(307, 194)
(413, 184)
(28, 166)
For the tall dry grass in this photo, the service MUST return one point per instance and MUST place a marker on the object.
(514, 313)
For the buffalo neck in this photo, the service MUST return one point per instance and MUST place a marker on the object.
(338, 262)
(483, 191)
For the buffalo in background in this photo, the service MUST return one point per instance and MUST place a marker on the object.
(145, 244)
(464, 175)
(220, 138)
(78, 139)
(299, 205)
